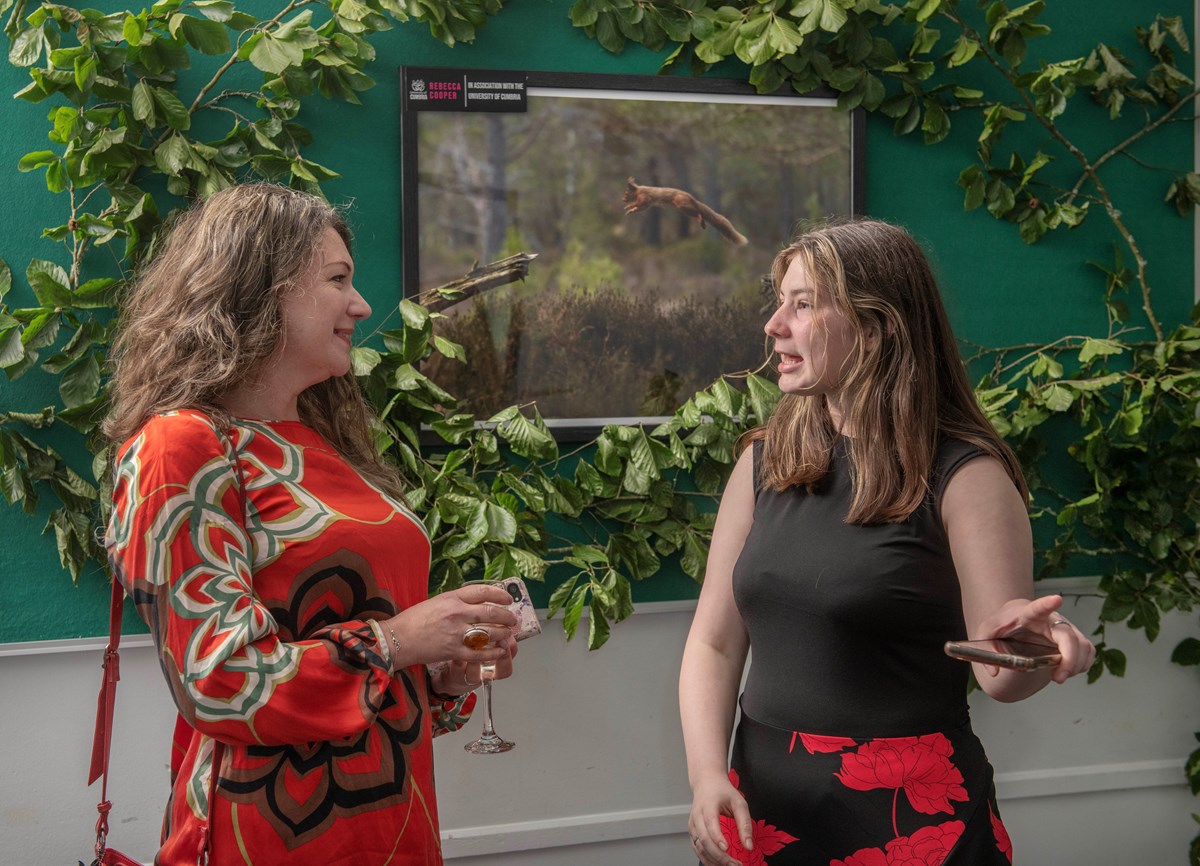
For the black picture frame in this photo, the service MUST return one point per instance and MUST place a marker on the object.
(538, 162)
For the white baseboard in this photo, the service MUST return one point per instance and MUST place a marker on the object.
(580, 830)
(568, 831)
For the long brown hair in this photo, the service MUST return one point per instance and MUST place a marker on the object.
(203, 316)
(903, 391)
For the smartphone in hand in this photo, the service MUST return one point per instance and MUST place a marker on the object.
(522, 606)
(1019, 655)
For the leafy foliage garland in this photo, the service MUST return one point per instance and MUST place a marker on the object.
(501, 498)
(498, 498)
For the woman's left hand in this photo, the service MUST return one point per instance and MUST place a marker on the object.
(459, 677)
(1042, 617)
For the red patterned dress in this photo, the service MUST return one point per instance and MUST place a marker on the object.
(259, 582)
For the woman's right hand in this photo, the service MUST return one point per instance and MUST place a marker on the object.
(711, 799)
(432, 631)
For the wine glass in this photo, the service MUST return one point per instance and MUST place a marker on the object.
(489, 742)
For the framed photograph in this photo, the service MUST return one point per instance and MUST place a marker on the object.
(609, 238)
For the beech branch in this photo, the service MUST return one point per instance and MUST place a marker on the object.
(479, 279)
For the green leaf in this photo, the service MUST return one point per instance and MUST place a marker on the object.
(598, 628)
(207, 37)
(216, 10)
(528, 439)
(574, 610)
(364, 360)
(50, 283)
(501, 524)
(85, 73)
(36, 159)
(173, 110)
(27, 48)
(559, 597)
(12, 350)
(143, 103)
(1114, 660)
(96, 294)
(172, 155)
(694, 557)
(1057, 398)
(529, 565)
(81, 381)
(964, 49)
(1187, 652)
(5, 278)
(1093, 348)
(42, 331)
(272, 54)
(828, 15)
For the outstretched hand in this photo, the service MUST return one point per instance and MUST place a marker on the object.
(1042, 618)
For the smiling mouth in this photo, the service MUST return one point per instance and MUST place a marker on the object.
(348, 336)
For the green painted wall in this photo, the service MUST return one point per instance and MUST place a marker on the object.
(999, 290)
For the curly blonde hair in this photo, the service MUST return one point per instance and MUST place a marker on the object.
(901, 396)
(203, 316)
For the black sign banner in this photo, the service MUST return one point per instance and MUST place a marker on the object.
(442, 89)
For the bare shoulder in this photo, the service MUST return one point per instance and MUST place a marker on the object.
(981, 490)
(739, 489)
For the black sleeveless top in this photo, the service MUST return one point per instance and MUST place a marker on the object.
(846, 623)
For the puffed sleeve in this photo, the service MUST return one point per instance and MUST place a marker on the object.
(178, 543)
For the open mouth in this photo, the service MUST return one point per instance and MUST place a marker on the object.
(788, 363)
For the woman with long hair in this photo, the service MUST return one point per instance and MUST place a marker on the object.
(272, 554)
(875, 516)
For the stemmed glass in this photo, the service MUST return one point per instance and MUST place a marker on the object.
(489, 742)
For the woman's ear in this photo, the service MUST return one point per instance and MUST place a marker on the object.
(871, 337)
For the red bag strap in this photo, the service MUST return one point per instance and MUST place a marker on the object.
(107, 699)
(105, 703)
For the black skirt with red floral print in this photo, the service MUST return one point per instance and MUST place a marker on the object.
(819, 800)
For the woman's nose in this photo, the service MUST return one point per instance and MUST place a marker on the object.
(359, 308)
(774, 325)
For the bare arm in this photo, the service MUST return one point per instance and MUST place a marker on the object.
(711, 672)
(992, 546)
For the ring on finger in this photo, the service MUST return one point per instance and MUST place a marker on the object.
(1059, 622)
(476, 637)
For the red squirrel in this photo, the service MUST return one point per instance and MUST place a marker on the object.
(638, 198)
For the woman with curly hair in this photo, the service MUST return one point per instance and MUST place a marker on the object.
(272, 554)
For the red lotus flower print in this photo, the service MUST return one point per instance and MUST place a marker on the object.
(767, 839)
(1001, 833)
(919, 765)
(928, 846)
(815, 743)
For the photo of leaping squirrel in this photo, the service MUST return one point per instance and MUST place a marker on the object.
(638, 198)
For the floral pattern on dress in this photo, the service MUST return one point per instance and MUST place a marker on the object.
(767, 838)
(920, 766)
(815, 743)
(1003, 842)
(928, 846)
